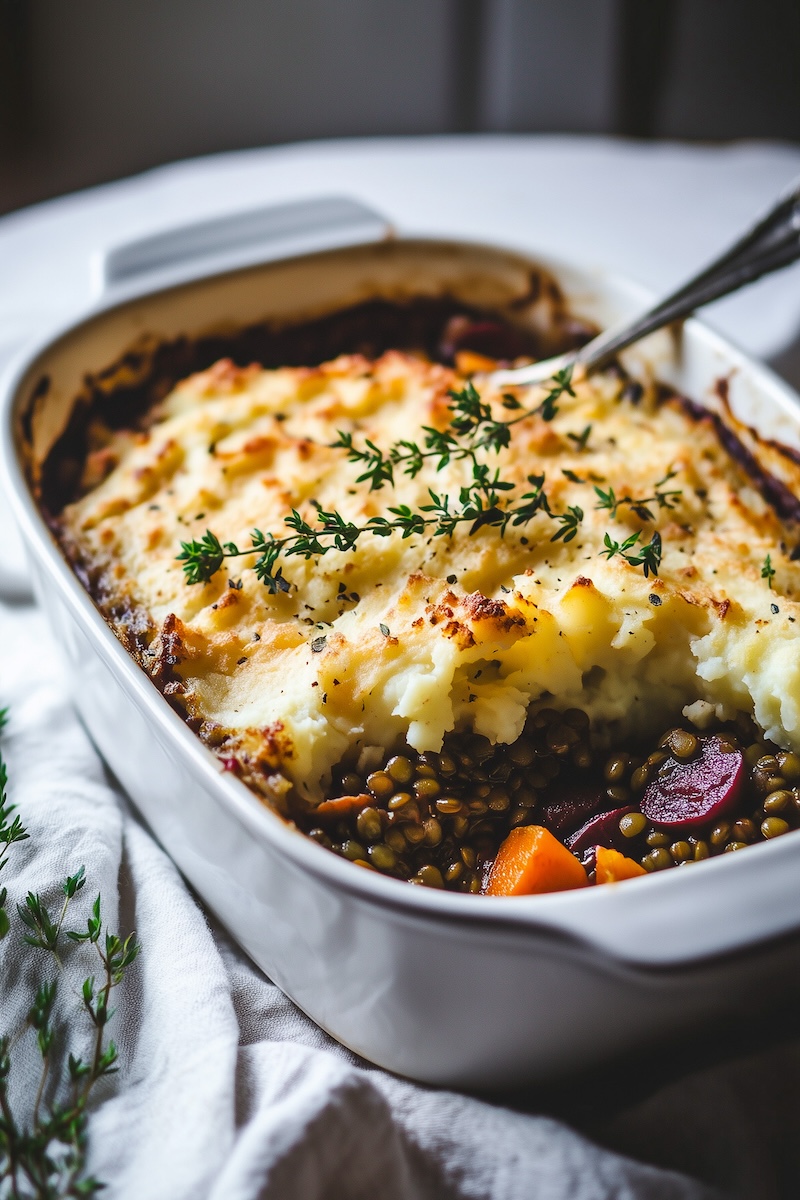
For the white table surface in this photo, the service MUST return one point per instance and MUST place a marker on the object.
(654, 212)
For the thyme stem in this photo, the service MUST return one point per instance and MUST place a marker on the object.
(40, 1090)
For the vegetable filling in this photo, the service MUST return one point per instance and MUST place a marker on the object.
(549, 813)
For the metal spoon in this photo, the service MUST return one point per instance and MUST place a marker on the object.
(772, 243)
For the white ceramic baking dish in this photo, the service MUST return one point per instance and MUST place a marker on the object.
(451, 989)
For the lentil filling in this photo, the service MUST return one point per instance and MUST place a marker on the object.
(439, 819)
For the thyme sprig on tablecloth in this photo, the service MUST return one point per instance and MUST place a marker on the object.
(11, 829)
(484, 501)
(43, 1153)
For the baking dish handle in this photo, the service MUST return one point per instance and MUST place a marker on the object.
(240, 239)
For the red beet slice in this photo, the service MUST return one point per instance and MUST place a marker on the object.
(491, 338)
(602, 830)
(695, 792)
(570, 806)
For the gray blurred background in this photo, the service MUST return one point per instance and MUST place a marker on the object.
(91, 90)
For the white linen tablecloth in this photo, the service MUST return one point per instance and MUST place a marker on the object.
(227, 1091)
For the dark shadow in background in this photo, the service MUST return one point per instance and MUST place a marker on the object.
(470, 31)
(17, 103)
(91, 91)
(646, 51)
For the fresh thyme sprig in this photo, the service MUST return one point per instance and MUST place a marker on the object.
(478, 504)
(648, 556)
(472, 428)
(43, 1157)
(547, 408)
(609, 501)
(11, 829)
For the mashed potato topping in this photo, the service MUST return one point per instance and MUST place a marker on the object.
(407, 639)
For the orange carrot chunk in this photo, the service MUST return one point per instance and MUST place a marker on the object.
(341, 806)
(531, 860)
(613, 866)
(468, 362)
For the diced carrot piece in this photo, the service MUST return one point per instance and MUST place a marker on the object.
(613, 866)
(469, 361)
(341, 806)
(532, 860)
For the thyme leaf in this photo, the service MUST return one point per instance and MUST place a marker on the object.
(568, 524)
(580, 439)
(562, 382)
(768, 571)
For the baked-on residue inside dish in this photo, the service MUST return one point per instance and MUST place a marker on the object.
(452, 645)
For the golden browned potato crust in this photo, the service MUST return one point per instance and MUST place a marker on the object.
(408, 639)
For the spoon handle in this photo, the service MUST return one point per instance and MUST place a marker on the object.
(772, 243)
